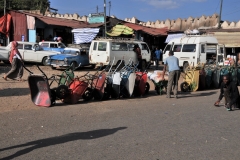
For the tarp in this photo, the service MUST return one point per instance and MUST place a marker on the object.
(120, 29)
(84, 35)
(5, 22)
(173, 36)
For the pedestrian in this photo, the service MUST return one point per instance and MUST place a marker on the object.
(16, 61)
(137, 50)
(157, 57)
(174, 73)
(229, 91)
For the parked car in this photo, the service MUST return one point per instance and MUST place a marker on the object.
(30, 52)
(70, 57)
(52, 46)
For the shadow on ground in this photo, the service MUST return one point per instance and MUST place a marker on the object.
(60, 140)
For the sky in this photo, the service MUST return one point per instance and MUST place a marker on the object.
(152, 10)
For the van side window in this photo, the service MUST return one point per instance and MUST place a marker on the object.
(189, 48)
(177, 48)
(203, 48)
(95, 46)
(131, 46)
(102, 46)
(119, 46)
(167, 48)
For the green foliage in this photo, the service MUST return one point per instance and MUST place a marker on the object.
(41, 5)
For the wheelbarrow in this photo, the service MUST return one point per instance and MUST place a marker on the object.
(159, 83)
(191, 80)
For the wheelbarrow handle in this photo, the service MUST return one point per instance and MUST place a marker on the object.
(27, 69)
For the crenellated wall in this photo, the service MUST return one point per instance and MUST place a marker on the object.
(189, 23)
(74, 16)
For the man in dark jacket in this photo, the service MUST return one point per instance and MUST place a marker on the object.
(229, 91)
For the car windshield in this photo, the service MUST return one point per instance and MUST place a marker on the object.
(73, 52)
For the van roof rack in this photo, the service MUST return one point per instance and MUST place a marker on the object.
(116, 38)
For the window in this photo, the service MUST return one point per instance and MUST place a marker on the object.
(167, 48)
(119, 46)
(95, 46)
(45, 44)
(177, 48)
(203, 48)
(102, 46)
(144, 46)
(189, 48)
(20, 46)
(28, 47)
(131, 46)
(53, 45)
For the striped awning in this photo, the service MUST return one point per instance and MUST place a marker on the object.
(84, 35)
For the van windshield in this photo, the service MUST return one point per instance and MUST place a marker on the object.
(167, 48)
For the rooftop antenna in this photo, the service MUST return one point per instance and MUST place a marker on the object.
(97, 9)
(219, 18)
(109, 7)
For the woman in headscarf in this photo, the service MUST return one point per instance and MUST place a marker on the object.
(16, 61)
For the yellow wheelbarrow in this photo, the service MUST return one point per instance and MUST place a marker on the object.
(191, 79)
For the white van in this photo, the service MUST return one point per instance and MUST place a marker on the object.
(103, 51)
(196, 49)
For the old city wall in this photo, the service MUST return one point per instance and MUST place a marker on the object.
(189, 23)
(178, 24)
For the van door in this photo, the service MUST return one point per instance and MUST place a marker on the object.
(101, 54)
(220, 54)
(202, 54)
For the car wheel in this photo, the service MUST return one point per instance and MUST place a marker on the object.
(45, 61)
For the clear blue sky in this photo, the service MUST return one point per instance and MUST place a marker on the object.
(152, 10)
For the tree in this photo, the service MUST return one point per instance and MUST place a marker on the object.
(41, 5)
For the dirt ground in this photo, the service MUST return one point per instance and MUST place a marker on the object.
(15, 95)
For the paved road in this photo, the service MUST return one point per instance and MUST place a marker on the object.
(148, 128)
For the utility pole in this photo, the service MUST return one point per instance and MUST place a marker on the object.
(109, 7)
(105, 28)
(97, 9)
(4, 7)
(220, 15)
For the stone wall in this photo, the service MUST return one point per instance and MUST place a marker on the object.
(74, 16)
(189, 23)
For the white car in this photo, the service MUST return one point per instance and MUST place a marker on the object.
(33, 52)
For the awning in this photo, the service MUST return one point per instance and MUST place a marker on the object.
(84, 35)
(61, 21)
(148, 30)
(173, 36)
(229, 37)
(5, 24)
(120, 29)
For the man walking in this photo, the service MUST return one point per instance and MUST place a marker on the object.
(157, 57)
(174, 73)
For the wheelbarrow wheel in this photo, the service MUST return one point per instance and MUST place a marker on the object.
(62, 91)
(185, 87)
(147, 87)
(88, 94)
